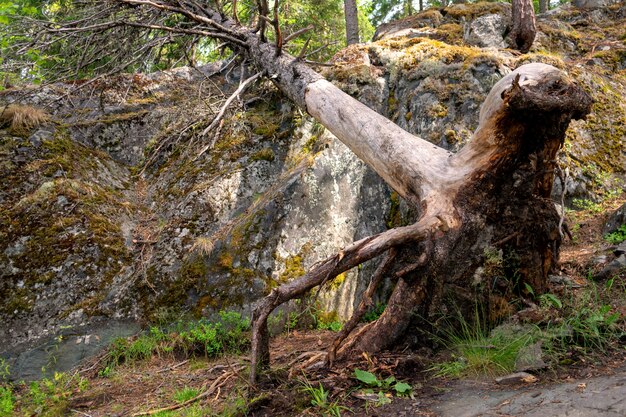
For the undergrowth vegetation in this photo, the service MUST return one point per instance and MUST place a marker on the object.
(617, 236)
(228, 334)
(578, 325)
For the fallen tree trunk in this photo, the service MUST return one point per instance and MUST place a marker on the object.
(492, 196)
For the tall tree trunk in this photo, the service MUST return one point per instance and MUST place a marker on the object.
(408, 7)
(543, 5)
(352, 21)
(524, 27)
(493, 195)
(421, 5)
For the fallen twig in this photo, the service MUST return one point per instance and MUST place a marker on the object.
(170, 368)
(218, 383)
(219, 116)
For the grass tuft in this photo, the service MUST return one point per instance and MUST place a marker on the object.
(21, 119)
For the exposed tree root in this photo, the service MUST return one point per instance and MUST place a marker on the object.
(366, 302)
(353, 255)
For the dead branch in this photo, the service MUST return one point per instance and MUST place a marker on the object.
(297, 33)
(219, 116)
(279, 36)
(218, 383)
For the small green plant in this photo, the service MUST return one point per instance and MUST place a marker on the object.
(590, 323)
(320, 400)
(4, 370)
(374, 313)
(451, 369)
(333, 326)
(185, 394)
(584, 204)
(327, 320)
(7, 401)
(548, 299)
(383, 385)
(591, 327)
(617, 236)
(51, 396)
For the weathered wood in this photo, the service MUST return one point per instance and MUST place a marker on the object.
(524, 27)
(354, 255)
(352, 21)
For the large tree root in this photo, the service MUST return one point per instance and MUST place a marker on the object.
(366, 302)
(353, 255)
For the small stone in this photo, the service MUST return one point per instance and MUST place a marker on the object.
(530, 358)
(613, 268)
(620, 249)
(563, 280)
(615, 220)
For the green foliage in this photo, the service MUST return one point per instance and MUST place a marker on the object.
(319, 400)
(617, 236)
(48, 396)
(476, 352)
(549, 299)
(209, 338)
(327, 320)
(588, 205)
(4, 370)
(134, 49)
(374, 313)
(383, 385)
(7, 401)
(185, 394)
(589, 328)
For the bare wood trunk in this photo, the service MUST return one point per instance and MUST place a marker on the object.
(524, 27)
(352, 21)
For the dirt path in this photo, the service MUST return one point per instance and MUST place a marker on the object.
(597, 396)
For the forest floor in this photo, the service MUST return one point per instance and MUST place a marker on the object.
(584, 375)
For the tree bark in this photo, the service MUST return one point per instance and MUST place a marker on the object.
(352, 21)
(408, 7)
(524, 27)
(493, 195)
(543, 6)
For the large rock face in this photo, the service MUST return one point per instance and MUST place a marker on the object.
(112, 212)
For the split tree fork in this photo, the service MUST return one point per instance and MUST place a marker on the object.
(493, 194)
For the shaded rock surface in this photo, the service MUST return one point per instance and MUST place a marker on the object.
(112, 212)
(615, 220)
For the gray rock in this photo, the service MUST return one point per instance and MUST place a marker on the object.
(615, 220)
(614, 267)
(64, 351)
(487, 31)
(592, 4)
(563, 280)
(530, 358)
